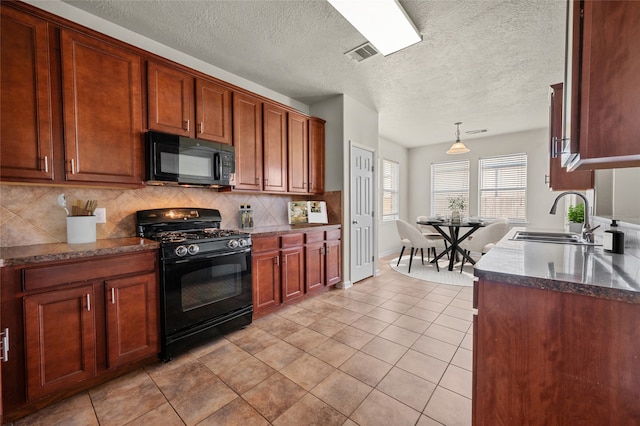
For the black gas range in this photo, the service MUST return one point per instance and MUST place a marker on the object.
(205, 278)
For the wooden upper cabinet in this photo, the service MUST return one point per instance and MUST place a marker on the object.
(26, 151)
(606, 60)
(170, 94)
(102, 111)
(213, 111)
(316, 155)
(132, 319)
(298, 145)
(275, 148)
(559, 178)
(247, 139)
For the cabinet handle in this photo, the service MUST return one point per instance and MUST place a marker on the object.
(322, 251)
(277, 260)
(73, 167)
(546, 179)
(46, 164)
(201, 127)
(113, 295)
(88, 302)
(4, 351)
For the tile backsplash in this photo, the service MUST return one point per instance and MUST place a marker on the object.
(31, 215)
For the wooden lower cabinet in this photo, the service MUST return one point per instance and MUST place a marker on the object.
(292, 265)
(544, 357)
(75, 324)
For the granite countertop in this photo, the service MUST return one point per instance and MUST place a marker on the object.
(586, 270)
(19, 255)
(272, 231)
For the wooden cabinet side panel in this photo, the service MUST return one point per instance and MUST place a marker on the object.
(60, 339)
(132, 318)
(170, 95)
(316, 156)
(102, 110)
(213, 112)
(275, 148)
(266, 280)
(247, 139)
(610, 105)
(298, 156)
(26, 150)
(292, 273)
(547, 356)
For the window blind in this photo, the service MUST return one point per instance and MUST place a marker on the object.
(449, 179)
(391, 188)
(503, 187)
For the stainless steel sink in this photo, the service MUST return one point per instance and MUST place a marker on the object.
(551, 237)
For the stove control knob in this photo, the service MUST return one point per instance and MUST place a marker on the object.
(242, 242)
(232, 244)
(181, 251)
(193, 248)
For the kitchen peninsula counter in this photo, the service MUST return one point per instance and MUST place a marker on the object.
(274, 231)
(21, 255)
(586, 270)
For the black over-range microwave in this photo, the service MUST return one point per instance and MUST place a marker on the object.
(177, 160)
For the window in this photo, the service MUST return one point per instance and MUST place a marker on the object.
(503, 187)
(449, 179)
(390, 189)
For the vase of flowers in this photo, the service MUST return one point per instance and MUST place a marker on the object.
(456, 205)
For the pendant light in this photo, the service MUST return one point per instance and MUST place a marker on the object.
(458, 147)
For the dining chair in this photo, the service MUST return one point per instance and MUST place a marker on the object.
(430, 233)
(413, 238)
(484, 239)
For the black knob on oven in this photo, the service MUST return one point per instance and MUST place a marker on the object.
(232, 244)
(242, 242)
(193, 248)
(181, 251)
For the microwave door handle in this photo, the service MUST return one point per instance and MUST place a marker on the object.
(217, 166)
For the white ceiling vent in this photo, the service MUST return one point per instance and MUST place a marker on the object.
(363, 52)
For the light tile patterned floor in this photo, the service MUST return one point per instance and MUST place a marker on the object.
(392, 350)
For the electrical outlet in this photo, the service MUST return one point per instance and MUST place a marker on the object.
(101, 215)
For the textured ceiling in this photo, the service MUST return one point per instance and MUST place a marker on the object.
(487, 63)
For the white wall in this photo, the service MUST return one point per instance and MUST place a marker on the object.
(533, 142)
(388, 239)
(332, 110)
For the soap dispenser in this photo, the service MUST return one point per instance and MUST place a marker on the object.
(613, 239)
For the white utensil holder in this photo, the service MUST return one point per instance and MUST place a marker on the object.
(81, 229)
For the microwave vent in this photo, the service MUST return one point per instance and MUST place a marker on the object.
(363, 52)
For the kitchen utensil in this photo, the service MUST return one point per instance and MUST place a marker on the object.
(90, 206)
(62, 202)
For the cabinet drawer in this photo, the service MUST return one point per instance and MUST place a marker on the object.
(265, 244)
(292, 240)
(334, 234)
(314, 237)
(87, 269)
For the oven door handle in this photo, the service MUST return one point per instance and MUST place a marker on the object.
(231, 253)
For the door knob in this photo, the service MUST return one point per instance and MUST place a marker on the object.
(355, 222)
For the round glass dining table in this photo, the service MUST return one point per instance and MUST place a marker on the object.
(453, 237)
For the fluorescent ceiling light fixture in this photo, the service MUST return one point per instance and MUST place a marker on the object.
(383, 22)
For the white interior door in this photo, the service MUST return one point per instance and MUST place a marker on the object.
(362, 181)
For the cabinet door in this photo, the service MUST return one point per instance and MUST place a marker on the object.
(247, 139)
(314, 266)
(298, 153)
(333, 262)
(102, 110)
(608, 87)
(213, 111)
(26, 151)
(559, 178)
(60, 339)
(266, 280)
(170, 93)
(132, 318)
(275, 148)
(316, 155)
(292, 273)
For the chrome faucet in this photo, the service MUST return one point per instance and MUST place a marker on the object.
(587, 231)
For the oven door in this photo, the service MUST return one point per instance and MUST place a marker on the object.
(201, 290)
